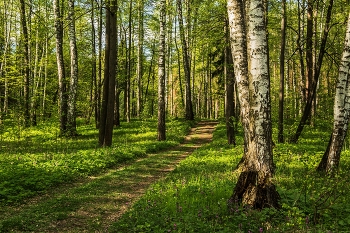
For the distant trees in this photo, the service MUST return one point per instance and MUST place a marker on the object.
(40, 66)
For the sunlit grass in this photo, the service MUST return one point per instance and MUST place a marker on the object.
(194, 197)
(35, 159)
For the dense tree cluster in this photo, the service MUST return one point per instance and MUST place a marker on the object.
(258, 62)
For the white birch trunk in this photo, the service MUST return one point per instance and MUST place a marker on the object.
(161, 73)
(238, 40)
(331, 158)
(73, 84)
(250, 54)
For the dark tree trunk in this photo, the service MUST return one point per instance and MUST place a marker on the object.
(281, 92)
(107, 111)
(230, 84)
(188, 98)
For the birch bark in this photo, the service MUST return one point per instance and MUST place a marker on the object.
(73, 84)
(331, 158)
(250, 54)
(62, 92)
(161, 73)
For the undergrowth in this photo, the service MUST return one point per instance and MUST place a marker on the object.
(34, 159)
(193, 198)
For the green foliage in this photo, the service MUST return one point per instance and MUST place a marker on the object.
(34, 159)
(194, 197)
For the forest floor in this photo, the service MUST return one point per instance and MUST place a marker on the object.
(93, 203)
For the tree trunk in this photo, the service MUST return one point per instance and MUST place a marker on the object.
(73, 84)
(281, 92)
(331, 158)
(230, 83)
(62, 89)
(107, 111)
(188, 99)
(161, 73)
(240, 58)
(99, 74)
(128, 80)
(93, 82)
(139, 58)
(254, 186)
(26, 64)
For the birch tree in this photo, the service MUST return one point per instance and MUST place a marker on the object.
(62, 93)
(161, 73)
(331, 157)
(249, 49)
(73, 84)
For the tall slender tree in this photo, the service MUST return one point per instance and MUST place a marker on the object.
(26, 63)
(139, 72)
(161, 72)
(254, 186)
(186, 63)
(230, 83)
(107, 110)
(73, 84)
(331, 157)
(62, 85)
(282, 60)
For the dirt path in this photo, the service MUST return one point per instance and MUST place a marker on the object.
(96, 203)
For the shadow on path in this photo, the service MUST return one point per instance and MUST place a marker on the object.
(95, 204)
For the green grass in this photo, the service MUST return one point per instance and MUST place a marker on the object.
(193, 198)
(35, 159)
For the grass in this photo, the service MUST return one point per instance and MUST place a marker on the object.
(193, 198)
(35, 159)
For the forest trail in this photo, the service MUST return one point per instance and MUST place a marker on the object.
(95, 203)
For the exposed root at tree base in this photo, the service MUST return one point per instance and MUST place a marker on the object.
(258, 195)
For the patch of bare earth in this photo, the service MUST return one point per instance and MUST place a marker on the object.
(110, 195)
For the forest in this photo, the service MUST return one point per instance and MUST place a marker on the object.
(97, 94)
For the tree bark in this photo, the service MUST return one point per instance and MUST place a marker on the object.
(331, 157)
(62, 89)
(254, 186)
(128, 80)
(107, 111)
(188, 99)
(73, 84)
(281, 91)
(230, 83)
(238, 43)
(139, 58)
(161, 73)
